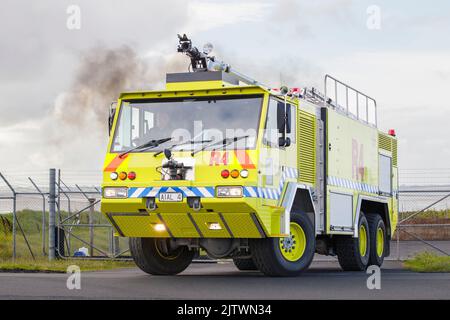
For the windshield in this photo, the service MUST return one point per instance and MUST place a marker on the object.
(192, 120)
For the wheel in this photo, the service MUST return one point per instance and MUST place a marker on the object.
(244, 264)
(286, 256)
(353, 253)
(377, 236)
(154, 256)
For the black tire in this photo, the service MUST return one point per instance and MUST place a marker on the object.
(268, 256)
(348, 251)
(245, 264)
(149, 257)
(376, 222)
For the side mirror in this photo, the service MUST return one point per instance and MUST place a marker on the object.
(281, 117)
(284, 123)
(287, 142)
(288, 118)
(284, 142)
(112, 113)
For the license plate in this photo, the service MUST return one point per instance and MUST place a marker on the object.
(170, 197)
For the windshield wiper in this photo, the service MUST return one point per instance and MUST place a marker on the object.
(180, 144)
(222, 143)
(148, 145)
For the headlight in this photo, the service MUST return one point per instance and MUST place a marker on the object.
(114, 192)
(229, 192)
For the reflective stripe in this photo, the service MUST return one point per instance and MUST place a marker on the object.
(350, 184)
(187, 192)
(137, 193)
(205, 192)
(209, 192)
(154, 192)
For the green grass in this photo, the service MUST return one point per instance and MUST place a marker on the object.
(428, 262)
(426, 214)
(43, 265)
(5, 245)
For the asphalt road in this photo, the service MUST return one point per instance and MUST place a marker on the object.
(324, 280)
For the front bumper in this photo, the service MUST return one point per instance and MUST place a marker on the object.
(238, 218)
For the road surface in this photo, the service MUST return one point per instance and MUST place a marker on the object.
(324, 280)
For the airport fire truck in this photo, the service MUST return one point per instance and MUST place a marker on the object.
(222, 163)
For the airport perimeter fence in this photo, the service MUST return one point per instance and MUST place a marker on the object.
(28, 211)
(64, 221)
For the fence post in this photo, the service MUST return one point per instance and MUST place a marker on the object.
(14, 218)
(14, 227)
(116, 244)
(52, 215)
(91, 226)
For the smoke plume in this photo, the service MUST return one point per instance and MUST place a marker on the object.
(104, 73)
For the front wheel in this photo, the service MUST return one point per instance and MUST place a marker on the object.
(155, 256)
(286, 256)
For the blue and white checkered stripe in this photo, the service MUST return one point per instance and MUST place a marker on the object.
(258, 192)
(350, 184)
(272, 193)
(208, 192)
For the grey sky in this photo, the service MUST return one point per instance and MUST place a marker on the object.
(405, 65)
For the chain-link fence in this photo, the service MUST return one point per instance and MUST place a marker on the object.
(423, 221)
(82, 231)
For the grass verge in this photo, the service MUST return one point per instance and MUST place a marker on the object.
(428, 262)
(43, 265)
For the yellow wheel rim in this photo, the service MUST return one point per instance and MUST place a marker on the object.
(380, 242)
(293, 247)
(362, 240)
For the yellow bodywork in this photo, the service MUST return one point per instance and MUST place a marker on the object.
(239, 217)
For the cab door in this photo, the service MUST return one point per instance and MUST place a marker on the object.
(278, 157)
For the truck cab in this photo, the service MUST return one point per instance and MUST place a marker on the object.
(210, 171)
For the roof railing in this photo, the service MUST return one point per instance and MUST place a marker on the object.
(336, 102)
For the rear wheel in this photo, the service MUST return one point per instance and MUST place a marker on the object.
(353, 253)
(286, 256)
(155, 256)
(377, 236)
(245, 264)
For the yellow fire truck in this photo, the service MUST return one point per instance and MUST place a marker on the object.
(266, 177)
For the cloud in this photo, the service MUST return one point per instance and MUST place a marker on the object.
(56, 84)
(39, 54)
(206, 15)
(73, 134)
